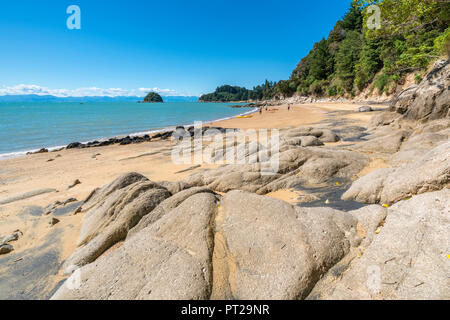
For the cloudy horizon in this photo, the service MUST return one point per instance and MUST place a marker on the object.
(32, 89)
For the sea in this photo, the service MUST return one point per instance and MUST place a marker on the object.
(30, 126)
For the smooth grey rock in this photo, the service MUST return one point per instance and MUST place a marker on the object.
(365, 109)
(386, 144)
(369, 219)
(171, 259)
(383, 119)
(269, 249)
(166, 206)
(174, 187)
(417, 145)
(310, 141)
(109, 220)
(319, 164)
(304, 141)
(323, 134)
(431, 172)
(430, 99)
(406, 260)
(328, 136)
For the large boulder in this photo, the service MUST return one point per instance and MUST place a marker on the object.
(430, 99)
(304, 141)
(269, 249)
(170, 259)
(111, 212)
(174, 186)
(431, 172)
(323, 134)
(369, 220)
(390, 143)
(166, 206)
(408, 258)
(383, 119)
(419, 144)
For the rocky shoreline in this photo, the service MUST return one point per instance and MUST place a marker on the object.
(241, 245)
(163, 135)
(372, 218)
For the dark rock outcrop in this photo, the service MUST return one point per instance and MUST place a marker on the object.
(153, 97)
(5, 248)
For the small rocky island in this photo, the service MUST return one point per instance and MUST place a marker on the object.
(153, 97)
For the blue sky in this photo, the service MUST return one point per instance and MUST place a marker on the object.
(177, 47)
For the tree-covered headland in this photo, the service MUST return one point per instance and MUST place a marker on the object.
(358, 55)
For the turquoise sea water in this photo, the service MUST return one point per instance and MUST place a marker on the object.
(30, 126)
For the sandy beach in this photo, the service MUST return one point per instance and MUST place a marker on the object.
(48, 175)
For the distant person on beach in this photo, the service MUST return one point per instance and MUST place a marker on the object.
(289, 107)
(260, 110)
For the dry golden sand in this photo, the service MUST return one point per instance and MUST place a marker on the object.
(289, 195)
(278, 117)
(374, 164)
(152, 159)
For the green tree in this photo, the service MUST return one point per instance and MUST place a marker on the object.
(347, 58)
(320, 61)
(369, 63)
(353, 19)
(153, 97)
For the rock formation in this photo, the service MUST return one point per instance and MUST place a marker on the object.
(408, 259)
(112, 211)
(170, 259)
(428, 173)
(183, 240)
(430, 99)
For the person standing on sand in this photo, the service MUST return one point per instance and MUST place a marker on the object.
(289, 107)
(260, 110)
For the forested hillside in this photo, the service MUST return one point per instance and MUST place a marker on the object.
(411, 34)
(360, 54)
(234, 93)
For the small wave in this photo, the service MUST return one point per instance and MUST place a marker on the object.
(16, 154)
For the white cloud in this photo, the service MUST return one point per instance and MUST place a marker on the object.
(167, 92)
(23, 89)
